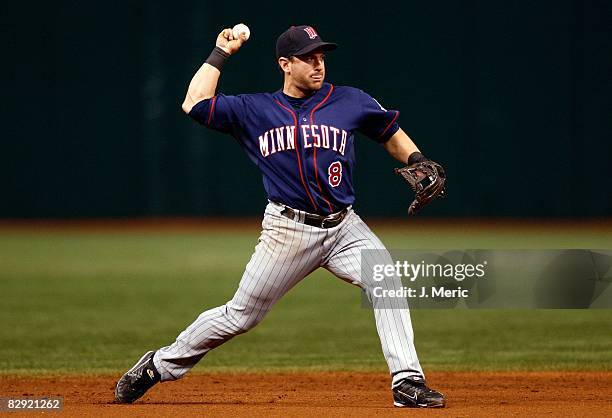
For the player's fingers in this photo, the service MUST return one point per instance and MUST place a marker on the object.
(226, 33)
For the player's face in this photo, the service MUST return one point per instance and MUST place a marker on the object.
(307, 72)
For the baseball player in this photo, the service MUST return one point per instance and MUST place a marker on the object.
(302, 139)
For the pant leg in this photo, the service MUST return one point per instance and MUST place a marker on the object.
(393, 322)
(287, 252)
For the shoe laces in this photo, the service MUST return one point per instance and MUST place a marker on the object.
(137, 374)
(421, 387)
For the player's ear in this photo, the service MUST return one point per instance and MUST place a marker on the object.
(283, 64)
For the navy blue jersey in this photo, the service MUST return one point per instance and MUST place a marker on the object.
(306, 156)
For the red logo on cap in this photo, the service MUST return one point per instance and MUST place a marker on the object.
(311, 32)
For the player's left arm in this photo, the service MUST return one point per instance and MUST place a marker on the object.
(427, 178)
(400, 146)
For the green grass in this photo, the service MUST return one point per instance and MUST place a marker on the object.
(93, 302)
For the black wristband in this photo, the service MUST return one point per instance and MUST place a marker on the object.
(217, 58)
(416, 157)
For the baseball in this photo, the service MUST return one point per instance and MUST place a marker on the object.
(241, 28)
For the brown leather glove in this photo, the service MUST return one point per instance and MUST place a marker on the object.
(427, 179)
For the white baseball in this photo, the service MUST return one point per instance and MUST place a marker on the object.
(241, 28)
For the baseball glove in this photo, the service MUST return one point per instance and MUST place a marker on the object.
(427, 179)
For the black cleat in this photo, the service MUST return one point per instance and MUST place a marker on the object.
(415, 394)
(136, 381)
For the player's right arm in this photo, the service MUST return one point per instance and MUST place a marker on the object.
(203, 85)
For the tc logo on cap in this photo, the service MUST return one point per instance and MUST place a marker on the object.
(311, 32)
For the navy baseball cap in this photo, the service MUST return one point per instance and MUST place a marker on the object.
(300, 40)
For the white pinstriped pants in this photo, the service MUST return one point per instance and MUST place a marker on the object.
(286, 253)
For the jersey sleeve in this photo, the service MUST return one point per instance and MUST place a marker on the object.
(221, 113)
(376, 122)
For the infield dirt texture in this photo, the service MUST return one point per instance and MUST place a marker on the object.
(82, 302)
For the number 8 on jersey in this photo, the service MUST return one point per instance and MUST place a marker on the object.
(335, 173)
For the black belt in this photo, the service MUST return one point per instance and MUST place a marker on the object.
(311, 219)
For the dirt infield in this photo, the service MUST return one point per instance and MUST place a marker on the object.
(550, 394)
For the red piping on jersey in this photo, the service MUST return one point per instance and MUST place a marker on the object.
(297, 145)
(316, 170)
(389, 125)
(212, 109)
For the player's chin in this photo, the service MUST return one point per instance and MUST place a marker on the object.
(316, 83)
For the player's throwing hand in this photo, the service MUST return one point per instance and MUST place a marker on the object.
(228, 43)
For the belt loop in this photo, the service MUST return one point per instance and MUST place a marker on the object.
(296, 215)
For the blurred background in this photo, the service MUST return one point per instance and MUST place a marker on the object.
(513, 97)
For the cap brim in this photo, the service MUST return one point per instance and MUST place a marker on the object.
(326, 46)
